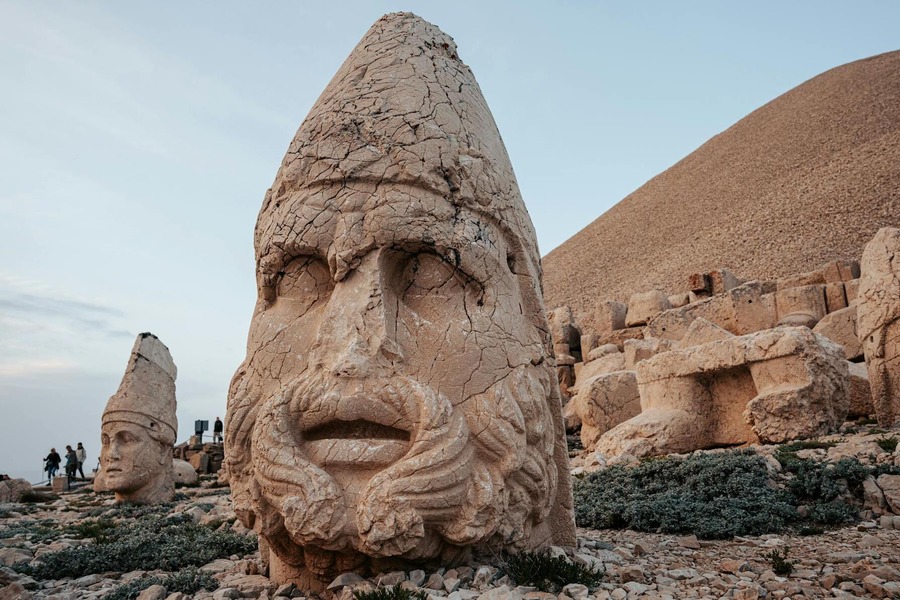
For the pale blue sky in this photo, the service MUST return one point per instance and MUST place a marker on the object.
(137, 140)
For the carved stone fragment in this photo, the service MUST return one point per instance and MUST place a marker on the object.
(139, 428)
(399, 399)
(878, 321)
(772, 386)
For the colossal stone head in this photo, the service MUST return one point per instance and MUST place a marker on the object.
(139, 428)
(399, 400)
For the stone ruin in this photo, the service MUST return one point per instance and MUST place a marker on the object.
(139, 428)
(730, 362)
(399, 402)
(878, 322)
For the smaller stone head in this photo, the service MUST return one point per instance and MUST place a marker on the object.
(139, 428)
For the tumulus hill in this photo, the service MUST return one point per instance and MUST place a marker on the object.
(803, 180)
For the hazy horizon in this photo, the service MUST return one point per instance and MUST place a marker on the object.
(138, 140)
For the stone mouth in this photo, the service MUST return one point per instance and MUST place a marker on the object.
(358, 429)
(359, 443)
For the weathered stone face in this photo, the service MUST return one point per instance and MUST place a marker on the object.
(139, 427)
(399, 397)
(878, 321)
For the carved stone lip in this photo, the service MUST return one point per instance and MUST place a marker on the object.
(358, 442)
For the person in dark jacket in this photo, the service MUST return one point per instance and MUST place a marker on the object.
(217, 430)
(71, 463)
(51, 463)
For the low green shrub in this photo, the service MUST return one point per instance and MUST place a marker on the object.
(888, 444)
(714, 496)
(165, 543)
(186, 581)
(548, 573)
(390, 593)
(779, 562)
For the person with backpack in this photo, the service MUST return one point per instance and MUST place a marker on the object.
(51, 463)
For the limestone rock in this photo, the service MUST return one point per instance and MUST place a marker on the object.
(840, 327)
(200, 462)
(638, 350)
(183, 472)
(860, 391)
(771, 386)
(878, 321)
(702, 332)
(643, 306)
(800, 306)
(841, 271)
(741, 310)
(609, 316)
(890, 486)
(605, 401)
(620, 336)
(12, 490)
(399, 399)
(835, 296)
(139, 428)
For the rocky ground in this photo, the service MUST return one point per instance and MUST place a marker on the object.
(859, 561)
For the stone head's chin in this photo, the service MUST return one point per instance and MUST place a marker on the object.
(452, 488)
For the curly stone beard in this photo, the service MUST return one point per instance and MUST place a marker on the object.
(478, 473)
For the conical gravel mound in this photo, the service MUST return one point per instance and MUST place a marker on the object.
(807, 178)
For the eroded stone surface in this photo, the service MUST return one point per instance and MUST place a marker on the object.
(604, 401)
(878, 321)
(139, 428)
(399, 399)
(840, 327)
(776, 385)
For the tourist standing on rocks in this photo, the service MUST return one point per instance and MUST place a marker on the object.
(81, 455)
(217, 430)
(71, 463)
(51, 463)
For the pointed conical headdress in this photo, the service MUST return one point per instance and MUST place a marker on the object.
(404, 109)
(146, 396)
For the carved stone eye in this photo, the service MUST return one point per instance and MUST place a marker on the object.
(429, 277)
(303, 283)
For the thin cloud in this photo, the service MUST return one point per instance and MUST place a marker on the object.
(32, 302)
(28, 368)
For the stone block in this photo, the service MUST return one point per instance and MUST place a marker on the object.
(800, 306)
(619, 336)
(835, 297)
(637, 350)
(679, 300)
(609, 316)
(723, 280)
(699, 284)
(860, 392)
(702, 332)
(200, 462)
(771, 387)
(840, 327)
(643, 306)
(604, 401)
(740, 311)
(851, 290)
(801, 280)
(841, 270)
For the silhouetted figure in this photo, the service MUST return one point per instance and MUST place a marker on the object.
(71, 463)
(51, 463)
(81, 455)
(217, 431)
